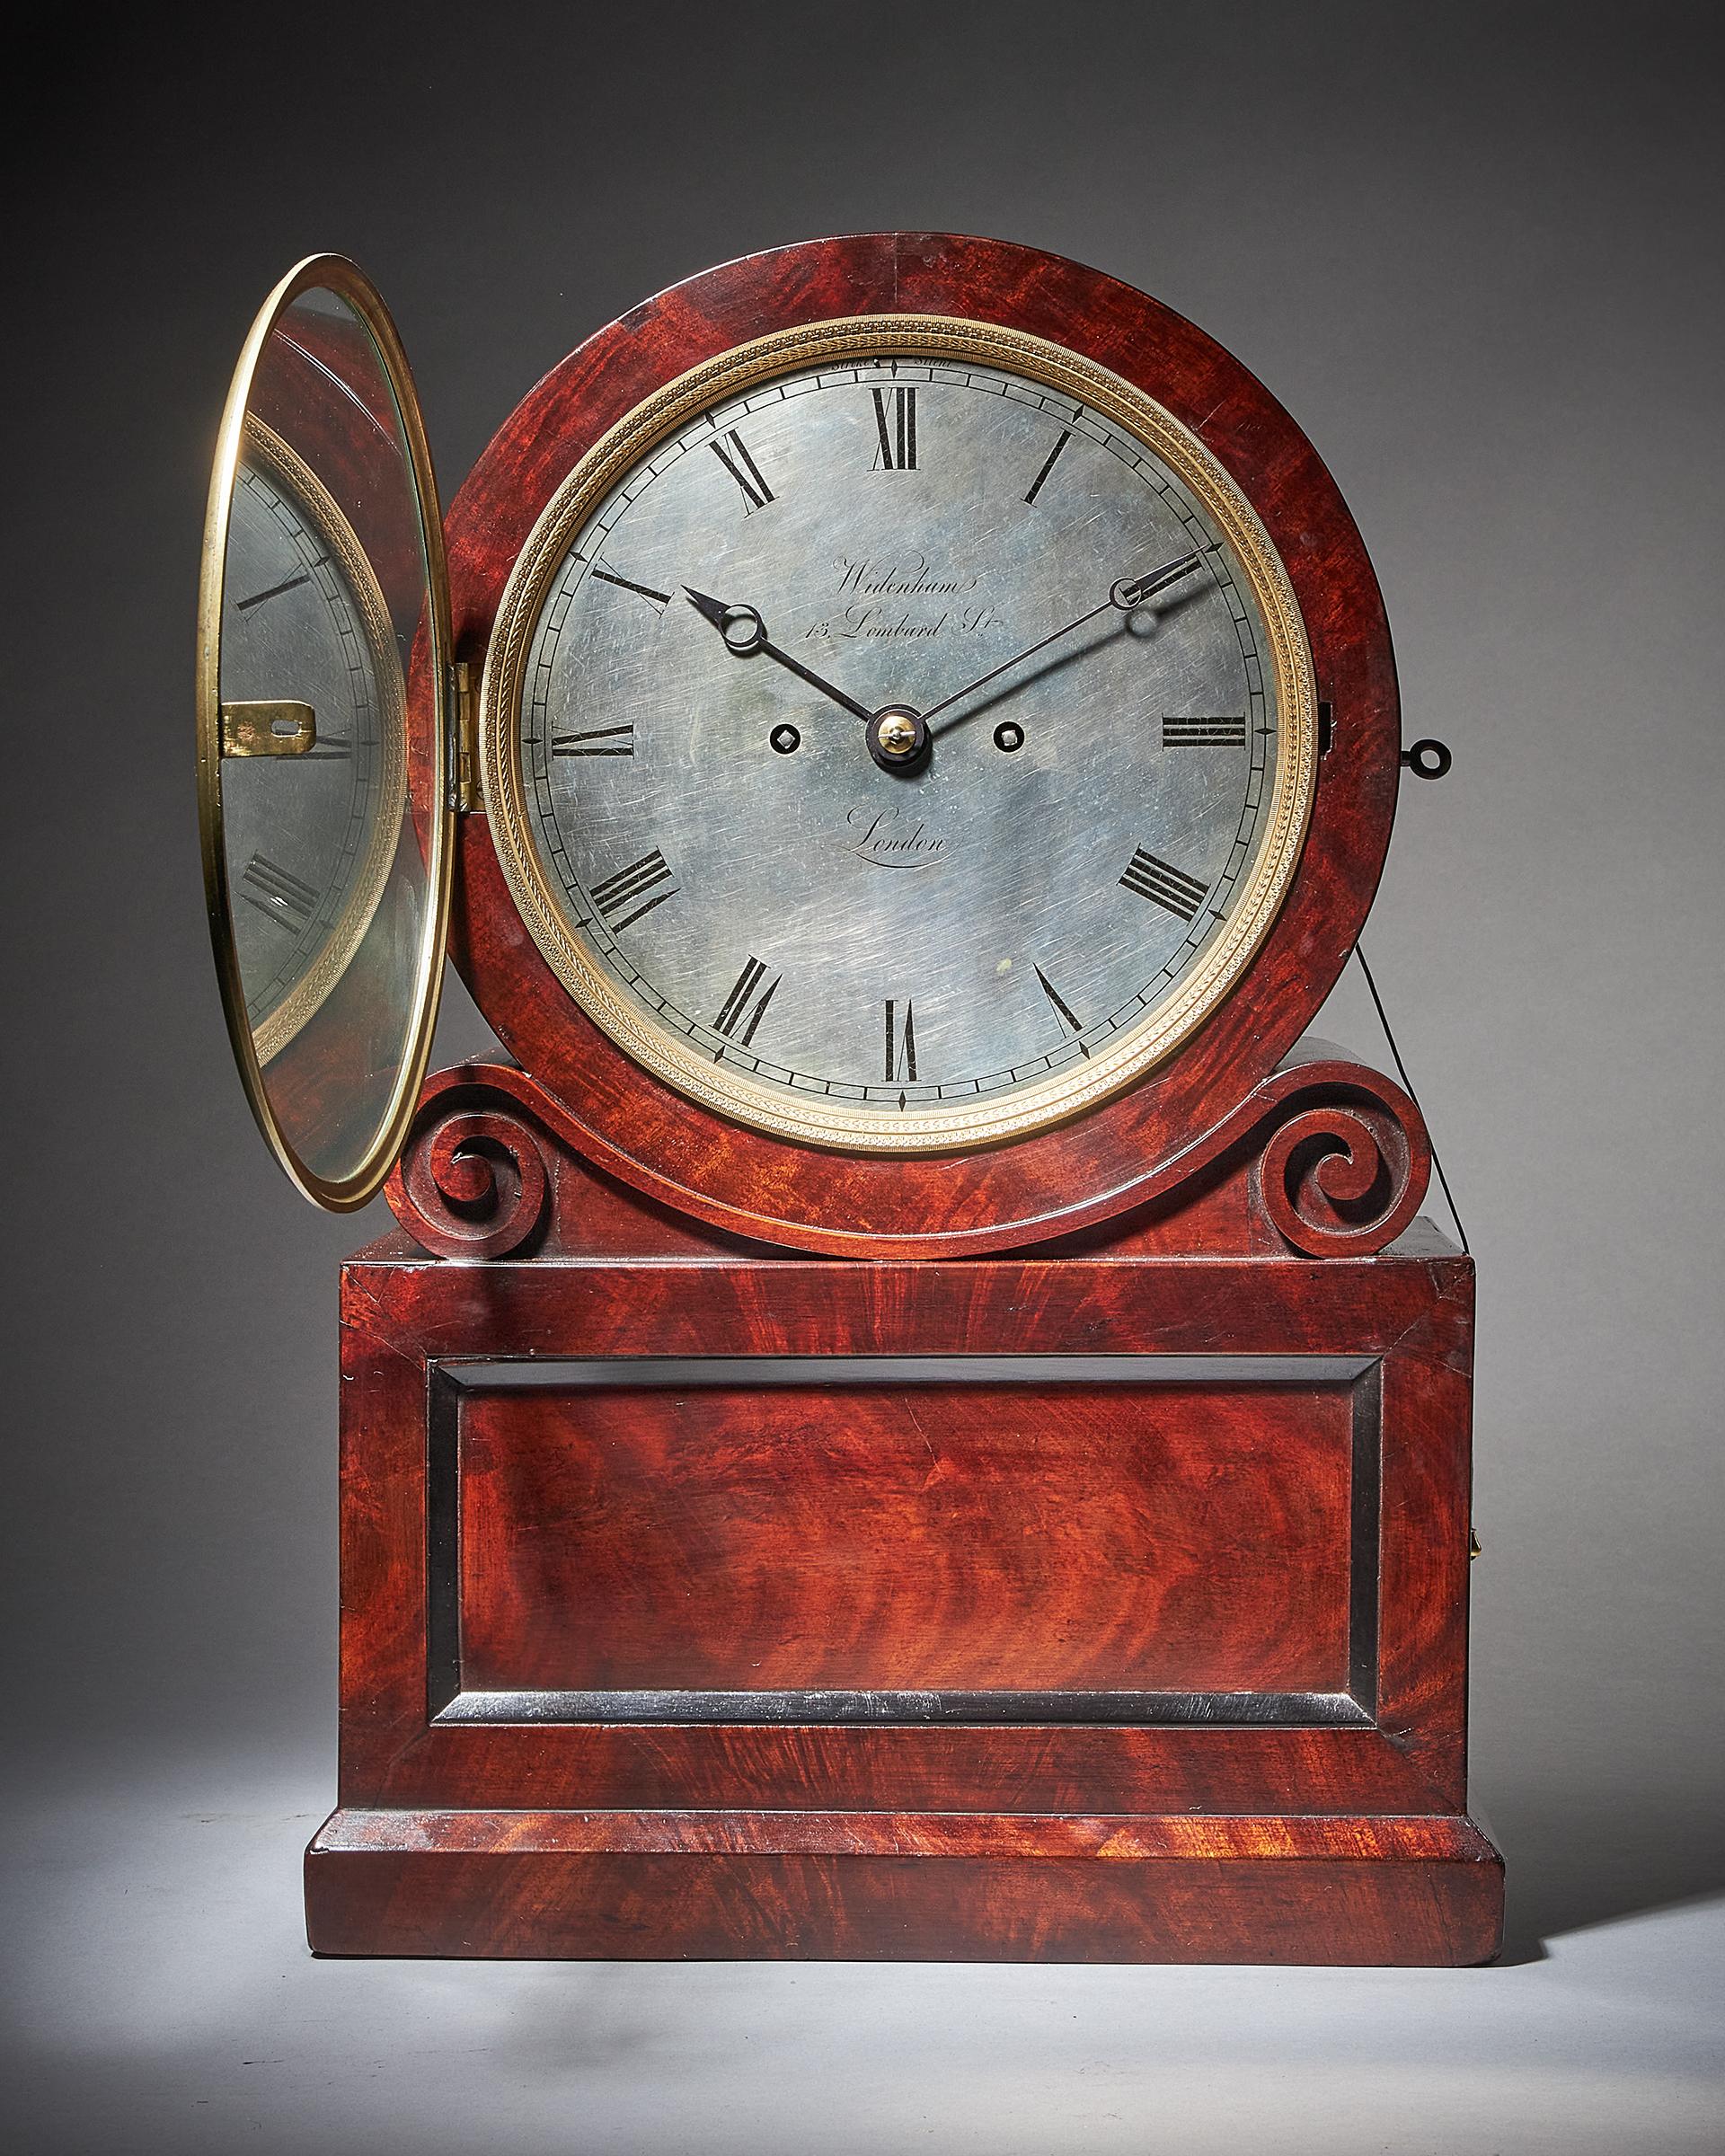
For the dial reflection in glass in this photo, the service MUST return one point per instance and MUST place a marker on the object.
(310, 835)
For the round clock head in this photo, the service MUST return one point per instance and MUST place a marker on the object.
(899, 733)
(938, 741)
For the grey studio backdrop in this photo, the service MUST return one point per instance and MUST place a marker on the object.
(1476, 251)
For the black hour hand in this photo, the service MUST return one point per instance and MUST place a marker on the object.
(741, 627)
(745, 633)
(715, 610)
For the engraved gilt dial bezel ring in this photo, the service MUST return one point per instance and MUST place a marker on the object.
(819, 1119)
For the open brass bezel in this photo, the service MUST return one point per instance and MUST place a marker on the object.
(332, 273)
(817, 1119)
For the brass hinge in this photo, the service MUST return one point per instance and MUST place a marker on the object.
(464, 758)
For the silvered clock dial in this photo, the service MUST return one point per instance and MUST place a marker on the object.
(899, 733)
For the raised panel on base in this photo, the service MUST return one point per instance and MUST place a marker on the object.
(831, 1527)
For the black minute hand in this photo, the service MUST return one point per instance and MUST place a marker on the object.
(745, 633)
(1128, 593)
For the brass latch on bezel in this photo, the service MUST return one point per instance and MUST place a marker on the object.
(278, 727)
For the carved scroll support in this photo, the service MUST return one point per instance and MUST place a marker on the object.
(1342, 1172)
(1323, 1157)
(475, 1179)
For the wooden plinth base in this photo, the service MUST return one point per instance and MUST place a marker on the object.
(931, 1887)
(1101, 1605)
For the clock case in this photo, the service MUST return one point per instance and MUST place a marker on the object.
(1055, 1552)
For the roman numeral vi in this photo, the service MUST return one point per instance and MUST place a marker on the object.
(901, 1044)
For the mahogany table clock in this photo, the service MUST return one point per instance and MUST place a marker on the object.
(912, 1419)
